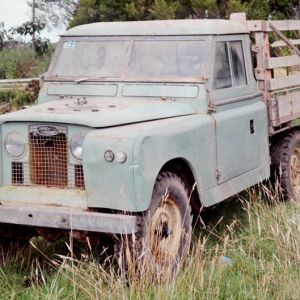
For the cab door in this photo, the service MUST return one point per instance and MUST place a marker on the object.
(239, 112)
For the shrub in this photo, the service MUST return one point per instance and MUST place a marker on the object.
(19, 98)
(22, 63)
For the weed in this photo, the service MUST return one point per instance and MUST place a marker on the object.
(22, 63)
(262, 238)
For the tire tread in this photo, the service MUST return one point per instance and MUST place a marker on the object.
(280, 158)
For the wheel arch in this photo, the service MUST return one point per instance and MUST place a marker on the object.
(183, 168)
(277, 137)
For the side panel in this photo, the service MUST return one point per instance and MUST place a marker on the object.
(284, 106)
(234, 186)
(238, 132)
(239, 154)
(148, 147)
(193, 140)
(247, 179)
(241, 124)
(241, 115)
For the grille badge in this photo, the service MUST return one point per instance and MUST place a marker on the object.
(47, 130)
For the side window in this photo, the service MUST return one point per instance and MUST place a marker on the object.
(238, 63)
(222, 75)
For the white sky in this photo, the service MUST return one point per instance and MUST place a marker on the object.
(15, 12)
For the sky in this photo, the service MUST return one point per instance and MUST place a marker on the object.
(15, 12)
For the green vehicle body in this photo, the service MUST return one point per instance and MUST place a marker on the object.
(218, 138)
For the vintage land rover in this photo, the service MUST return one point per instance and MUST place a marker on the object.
(140, 124)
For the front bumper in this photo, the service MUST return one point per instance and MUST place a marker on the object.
(67, 218)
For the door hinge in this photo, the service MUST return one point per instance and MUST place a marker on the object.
(212, 108)
(256, 49)
(218, 174)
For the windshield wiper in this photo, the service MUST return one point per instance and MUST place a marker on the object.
(91, 78)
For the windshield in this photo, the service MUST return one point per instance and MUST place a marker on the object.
(131, 59)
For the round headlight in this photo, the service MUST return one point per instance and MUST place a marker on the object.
(76, 145)
(15, 144)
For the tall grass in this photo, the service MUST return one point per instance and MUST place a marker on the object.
(22, 63)
(261, 238)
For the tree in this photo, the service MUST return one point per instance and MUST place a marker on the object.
(88, 11)
(53, 13)
(296, 9)
(45, 13)
(157, 9)
(4, 36)
(161, 9)
(33, 28)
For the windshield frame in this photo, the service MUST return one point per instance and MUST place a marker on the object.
(124, 78)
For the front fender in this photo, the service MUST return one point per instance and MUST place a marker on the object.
(190, 139)
(149, 146)
(108, 184)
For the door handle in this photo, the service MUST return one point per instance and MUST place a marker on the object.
(252, 130)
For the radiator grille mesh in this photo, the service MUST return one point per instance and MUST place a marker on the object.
(48, 163)
(79, 177)
(48, 158)
(17, 173)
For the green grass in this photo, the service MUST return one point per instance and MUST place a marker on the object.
(22, 63)
(263, 241)
(18, 98)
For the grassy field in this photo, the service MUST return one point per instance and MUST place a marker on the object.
(23, 63)
(262, 239)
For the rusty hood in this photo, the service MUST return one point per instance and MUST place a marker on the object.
(100, 112)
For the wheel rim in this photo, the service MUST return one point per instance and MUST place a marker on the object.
(295, 172)
(165, 232)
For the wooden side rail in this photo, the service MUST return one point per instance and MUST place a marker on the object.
(285, 25)
(282, 94)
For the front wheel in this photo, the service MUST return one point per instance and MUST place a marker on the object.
(164, 230)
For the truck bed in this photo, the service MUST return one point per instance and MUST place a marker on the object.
(277, 69)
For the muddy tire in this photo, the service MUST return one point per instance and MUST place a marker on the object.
(285, 159)
(164, 231)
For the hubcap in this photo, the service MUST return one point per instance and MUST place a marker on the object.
(165, 232)
(295, 172)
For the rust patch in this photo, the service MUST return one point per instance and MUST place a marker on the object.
(48, 160)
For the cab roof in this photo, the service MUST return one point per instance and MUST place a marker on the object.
(158, 28)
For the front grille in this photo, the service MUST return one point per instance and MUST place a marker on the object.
(20, 175)
(48, 158)
(48, 163)
(17, 173)
(79, 177)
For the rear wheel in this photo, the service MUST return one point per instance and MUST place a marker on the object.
(286, 164)
(164, 231)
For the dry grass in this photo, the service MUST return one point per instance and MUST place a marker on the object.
(262, 238)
